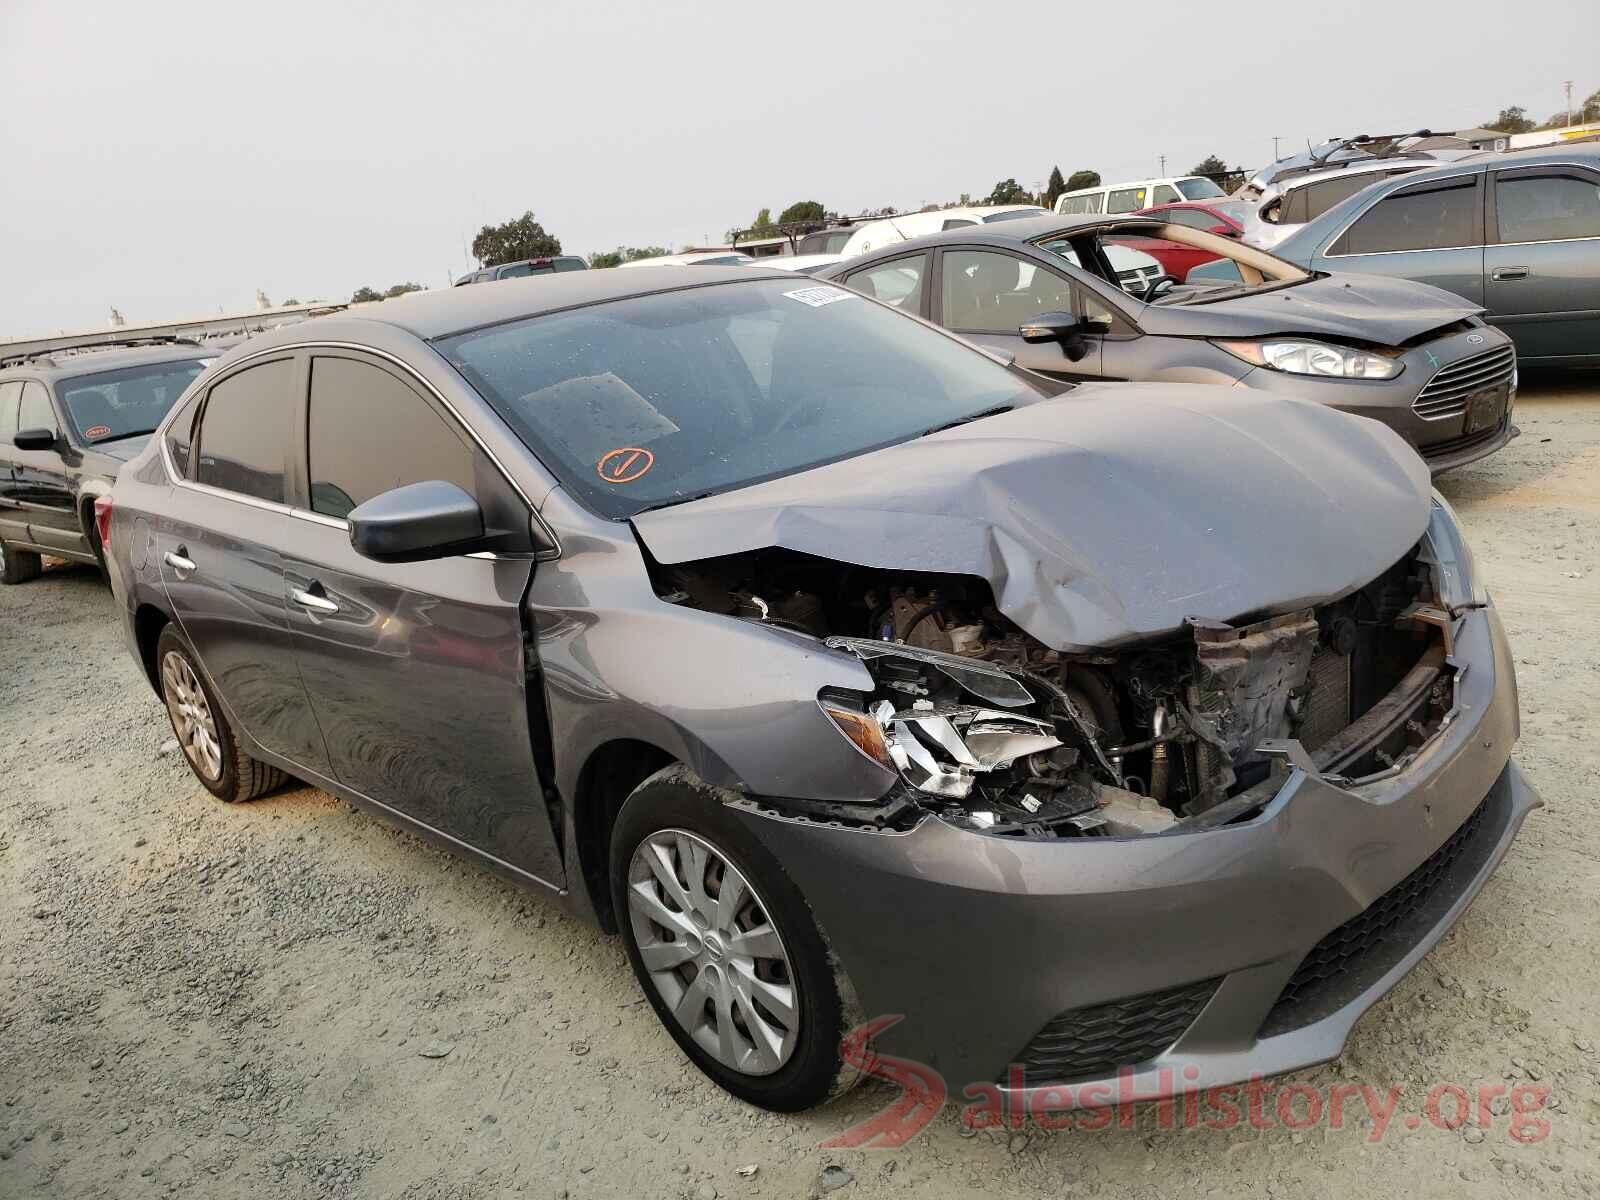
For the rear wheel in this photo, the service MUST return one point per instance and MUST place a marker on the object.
(726, 948)
(18, 566)
(202, 729)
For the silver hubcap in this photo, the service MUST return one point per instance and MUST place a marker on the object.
(191, 716)
(712, 953)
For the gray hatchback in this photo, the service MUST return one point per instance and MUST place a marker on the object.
(843, 671)
(1043, 291)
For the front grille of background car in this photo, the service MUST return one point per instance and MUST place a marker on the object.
(1446, 393)
(1095, 1042)
(1351, 958)
(1137, 277)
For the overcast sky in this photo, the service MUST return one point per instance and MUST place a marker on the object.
(171, 158)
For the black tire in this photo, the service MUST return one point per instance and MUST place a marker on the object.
(19, 566)
(675, 799)
(237, 776)
(91, 532)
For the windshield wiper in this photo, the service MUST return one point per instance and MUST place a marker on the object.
(967, 420)
(117, 437)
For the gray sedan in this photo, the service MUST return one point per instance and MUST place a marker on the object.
(1515, 234)
(842, 671)
(1418, 359)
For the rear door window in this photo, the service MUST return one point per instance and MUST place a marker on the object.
(1550, 206)
(1166, 194)
(353, 404)
(10, 395)
(1429, 216)
(244, 431)
(898, 282)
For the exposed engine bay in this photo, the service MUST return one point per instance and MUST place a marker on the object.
(996, 732)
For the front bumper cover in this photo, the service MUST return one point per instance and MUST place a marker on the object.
(979, 942)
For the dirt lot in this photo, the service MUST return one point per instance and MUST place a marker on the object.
(291, 998)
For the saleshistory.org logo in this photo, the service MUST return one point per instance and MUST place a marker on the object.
(1178, 1102)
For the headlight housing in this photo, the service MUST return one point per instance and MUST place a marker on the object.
(1452, 558)
(1298, 357)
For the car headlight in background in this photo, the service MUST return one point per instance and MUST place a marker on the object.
(1314, 358)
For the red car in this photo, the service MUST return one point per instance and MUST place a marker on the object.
(1224, 217)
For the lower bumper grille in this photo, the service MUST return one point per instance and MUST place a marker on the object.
(1093, 1042)
(1355, 955)
(1450, 447)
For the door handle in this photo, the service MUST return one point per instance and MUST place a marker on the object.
(311, 600)
(177, 561)
(1510, 273)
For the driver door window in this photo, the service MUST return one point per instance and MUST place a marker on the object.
(350, 402)
(988, 292)
(36, 410)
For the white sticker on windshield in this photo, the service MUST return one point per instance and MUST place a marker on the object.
(822, 294)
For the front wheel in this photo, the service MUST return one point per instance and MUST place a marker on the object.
(726, 948)
(202, 728)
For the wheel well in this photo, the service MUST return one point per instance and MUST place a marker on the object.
(610, 775)
(148, 622)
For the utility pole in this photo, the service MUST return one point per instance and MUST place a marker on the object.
(1275, 147)
(1569, 103)
(1162, 173)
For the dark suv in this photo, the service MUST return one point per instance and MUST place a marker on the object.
(526, 266)
(68, 421)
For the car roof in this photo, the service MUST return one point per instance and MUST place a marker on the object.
(70, 364)
(1364, 167)
(1019, 232)
(445, 311)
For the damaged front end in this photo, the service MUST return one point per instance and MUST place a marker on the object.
(991, 730)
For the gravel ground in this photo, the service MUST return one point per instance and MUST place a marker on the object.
(292, 998)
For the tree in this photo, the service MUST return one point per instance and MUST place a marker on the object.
(1210, 165)
(1511, 120)
(400, 289)
(1054, 188)
(1083, 179)
(763, 221)
(1009, 191)
(515, 240)
(615, 258)
(364, 295)
(804, 210)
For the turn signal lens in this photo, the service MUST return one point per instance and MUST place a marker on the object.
(863, 731)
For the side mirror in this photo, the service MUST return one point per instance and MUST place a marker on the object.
(1055, 327)
(417, 522)
(35, 439)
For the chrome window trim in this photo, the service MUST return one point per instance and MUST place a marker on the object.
(306, 514)
(1377, 200)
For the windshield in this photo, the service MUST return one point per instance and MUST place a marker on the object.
(128, 402)
(1199, 189)
(1236, 211)
(649, 401)
(1013, 215)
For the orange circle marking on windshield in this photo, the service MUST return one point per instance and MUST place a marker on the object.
(624, 465)
(97, 431)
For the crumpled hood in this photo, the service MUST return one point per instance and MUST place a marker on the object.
(1107, 514)
(1364, 308)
